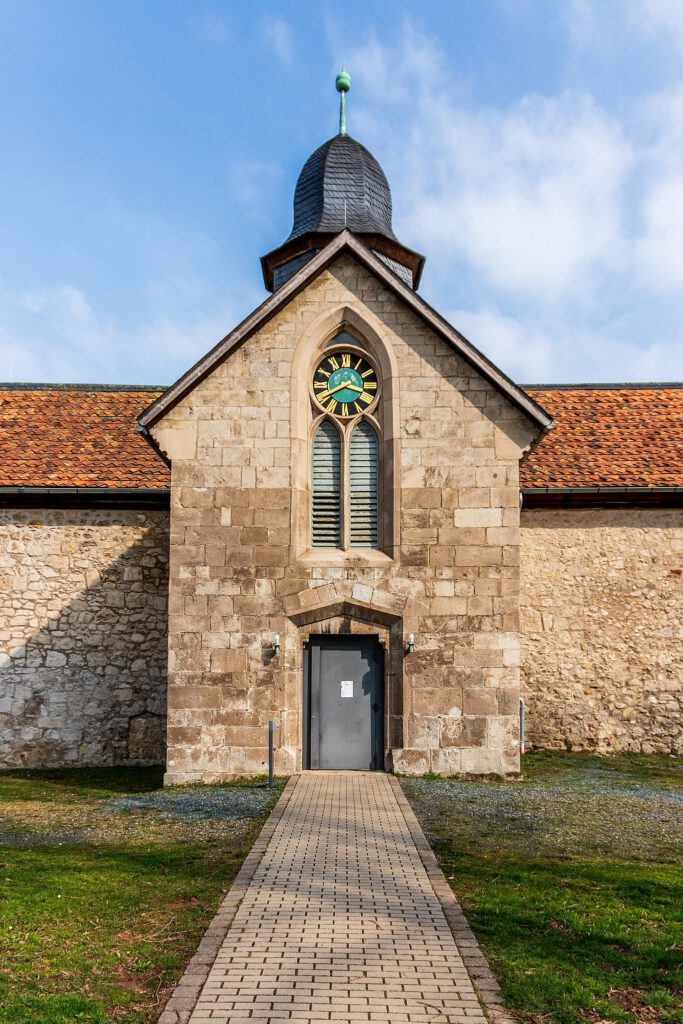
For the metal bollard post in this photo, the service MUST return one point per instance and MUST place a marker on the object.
(271, 730)
(522, 726)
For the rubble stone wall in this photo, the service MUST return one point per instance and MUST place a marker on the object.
(83, 637)
(602, 629)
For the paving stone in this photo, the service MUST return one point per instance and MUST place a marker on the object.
(340, 921)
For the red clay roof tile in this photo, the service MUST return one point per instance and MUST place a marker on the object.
(609, 436)
(84, 436)
(76, 437)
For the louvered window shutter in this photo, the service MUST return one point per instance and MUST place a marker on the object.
(326, 496)
(363, 487)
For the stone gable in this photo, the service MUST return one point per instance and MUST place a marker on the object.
(238, 567)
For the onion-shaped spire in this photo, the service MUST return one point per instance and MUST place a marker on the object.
(341, 186)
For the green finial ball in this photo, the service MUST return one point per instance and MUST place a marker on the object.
(343, 82)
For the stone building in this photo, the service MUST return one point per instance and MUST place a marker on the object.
(344, 519)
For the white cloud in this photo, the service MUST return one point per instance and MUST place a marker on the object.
(605, 24)
(64, 302)
(659, 253)
(657, 19)
(534, 200)
(537, 351)
(252, 180)
(565, 215)
(658, 119)
(400, 74)
(211, 28)
(54, 334)
(553, 229)
(530, 197)
(279, 35)
(524, 352)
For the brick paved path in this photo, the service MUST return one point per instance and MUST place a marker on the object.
(340, 921)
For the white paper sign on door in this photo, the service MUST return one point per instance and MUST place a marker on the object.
(346, 687)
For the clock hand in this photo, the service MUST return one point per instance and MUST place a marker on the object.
(340, 387)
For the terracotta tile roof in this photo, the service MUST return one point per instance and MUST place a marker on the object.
(76, 436)
(83, 436)
(609, 435)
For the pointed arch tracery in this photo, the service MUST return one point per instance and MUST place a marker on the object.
(344, 486)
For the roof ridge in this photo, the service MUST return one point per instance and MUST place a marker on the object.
(42, 386)
(622, 386)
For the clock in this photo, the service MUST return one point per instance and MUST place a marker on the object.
(345, 383)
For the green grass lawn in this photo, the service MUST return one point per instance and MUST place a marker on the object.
(106, 885)
(571, 880)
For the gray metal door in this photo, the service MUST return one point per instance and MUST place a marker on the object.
(344, 702)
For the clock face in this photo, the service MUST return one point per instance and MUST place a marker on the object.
(345, 383)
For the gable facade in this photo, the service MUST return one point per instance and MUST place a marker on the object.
(242, 567)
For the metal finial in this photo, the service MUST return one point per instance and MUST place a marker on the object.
(343, 84)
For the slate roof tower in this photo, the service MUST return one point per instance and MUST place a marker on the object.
(341, 185)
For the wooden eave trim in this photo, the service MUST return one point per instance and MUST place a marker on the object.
(602, 497)
(272, 305)
(85, 497)
(391, 248)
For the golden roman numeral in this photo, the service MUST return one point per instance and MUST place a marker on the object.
(365, 397)
(358, 363)
(325, 372)
(357, 407)
(367, 373)
(317, 384)
(371, 385)
(345, 409)
(331, 405)
(323, 396)
(333, 363)
(346, 359)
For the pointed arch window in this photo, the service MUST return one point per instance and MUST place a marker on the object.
(363, 502)
(326, 519)
(345, 491)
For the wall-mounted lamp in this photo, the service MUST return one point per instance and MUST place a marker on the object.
(410, 649)
(276, 644)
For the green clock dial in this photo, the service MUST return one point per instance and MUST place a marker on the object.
(345, 384)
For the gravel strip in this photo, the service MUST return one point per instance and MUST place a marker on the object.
(198, 804)
(582, 812)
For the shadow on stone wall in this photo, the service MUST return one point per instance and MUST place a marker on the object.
(87, 684)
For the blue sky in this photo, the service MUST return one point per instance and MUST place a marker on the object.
(149, 152)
